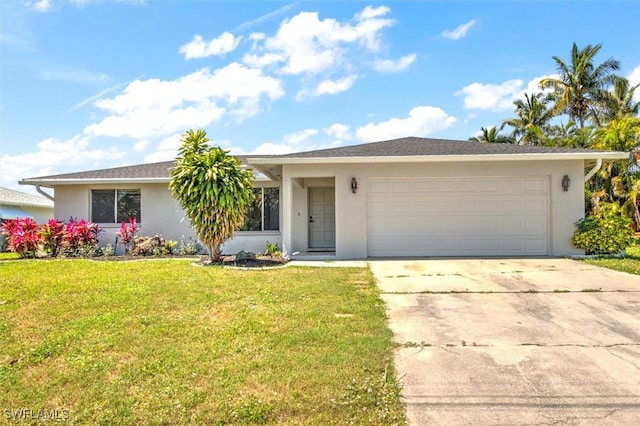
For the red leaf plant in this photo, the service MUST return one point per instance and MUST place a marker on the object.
(127, 232)
(22, 236)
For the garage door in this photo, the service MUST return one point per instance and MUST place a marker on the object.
(458, 216)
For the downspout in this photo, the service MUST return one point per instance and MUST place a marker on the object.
(594, 170)
(46, 195)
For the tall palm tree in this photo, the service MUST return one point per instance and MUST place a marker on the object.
(490, 135)
(532, 121)
(580, 82)
(619, 101)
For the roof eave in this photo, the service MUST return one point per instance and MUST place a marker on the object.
(94, 181)
(612, 155)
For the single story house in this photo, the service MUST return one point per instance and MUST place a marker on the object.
(404, 197)
(16, 204)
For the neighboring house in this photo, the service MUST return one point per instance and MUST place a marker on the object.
(16, 204)
(403, 197)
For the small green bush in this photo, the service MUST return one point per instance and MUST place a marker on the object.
(603, 235)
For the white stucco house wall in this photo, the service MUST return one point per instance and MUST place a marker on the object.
(408, 197)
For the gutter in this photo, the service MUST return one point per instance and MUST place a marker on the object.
(594, 170)
(44, 194)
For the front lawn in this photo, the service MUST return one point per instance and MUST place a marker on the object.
(630, 263)
(163, 342)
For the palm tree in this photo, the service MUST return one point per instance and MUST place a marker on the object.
(532, 121)
(580, 82)
(619, 101)
(490, 135)
(212, 188)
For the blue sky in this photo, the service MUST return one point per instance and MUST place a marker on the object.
(89, 84)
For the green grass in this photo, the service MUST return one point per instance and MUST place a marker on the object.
(630, 264)
(8, 256)
(163, 342)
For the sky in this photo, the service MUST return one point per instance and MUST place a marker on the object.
(91, 84)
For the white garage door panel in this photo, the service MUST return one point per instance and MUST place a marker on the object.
(458, 216)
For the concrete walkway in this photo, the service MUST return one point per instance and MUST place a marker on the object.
(514, 341)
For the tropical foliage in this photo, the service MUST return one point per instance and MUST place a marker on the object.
(212, 188)
(76, 238)
(586, 105)
(490, 135)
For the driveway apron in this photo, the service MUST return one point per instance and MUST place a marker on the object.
(514, 341)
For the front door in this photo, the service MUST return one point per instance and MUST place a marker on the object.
(322, 218)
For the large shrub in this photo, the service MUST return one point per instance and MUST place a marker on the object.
(77, 238)
(610, 233)
(23, 236)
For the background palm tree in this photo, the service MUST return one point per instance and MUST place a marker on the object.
(491, 135)
(619, 101)
(532, 121)
(580, 83)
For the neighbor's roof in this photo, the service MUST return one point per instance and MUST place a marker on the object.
(10, 197)
(410, 149)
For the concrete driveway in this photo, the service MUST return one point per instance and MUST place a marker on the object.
(514, 341)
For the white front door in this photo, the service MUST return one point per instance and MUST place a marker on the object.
(322, 218)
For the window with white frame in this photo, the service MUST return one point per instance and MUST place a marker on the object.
(115, 205)
(264, 212)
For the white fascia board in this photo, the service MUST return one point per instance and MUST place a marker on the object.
(54, 182)
(444, 158)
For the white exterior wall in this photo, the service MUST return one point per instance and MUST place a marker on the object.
(351, 209)
(160, 214)
(39, 214)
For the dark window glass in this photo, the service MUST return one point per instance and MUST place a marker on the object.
(115, 205)
(102, 205)
(266, 200)
(271, 209)
(253, 218)
(128, 205)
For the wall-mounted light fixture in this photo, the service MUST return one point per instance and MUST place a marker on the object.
(354, 185)
(566, 182)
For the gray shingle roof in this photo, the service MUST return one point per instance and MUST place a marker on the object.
(403, 147)
(139, 171)
(413, 146)
(11, 197)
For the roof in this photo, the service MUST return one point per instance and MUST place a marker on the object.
(410, 149)
(142, 173)
(413, 146)
(10, 197)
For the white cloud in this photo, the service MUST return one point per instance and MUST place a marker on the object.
(307, 44)
(460, 31)
(40, 6)
(53, 155)
(339, 131)
(141, 145)
(498, 97)
(198, 48)
(155, 108)
(634, 78)
(389, 65)
(304, 140)
(371, 12)
(422, 121)
(328, 87)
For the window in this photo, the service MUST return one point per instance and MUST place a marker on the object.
(115, 205)
(264, 212)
